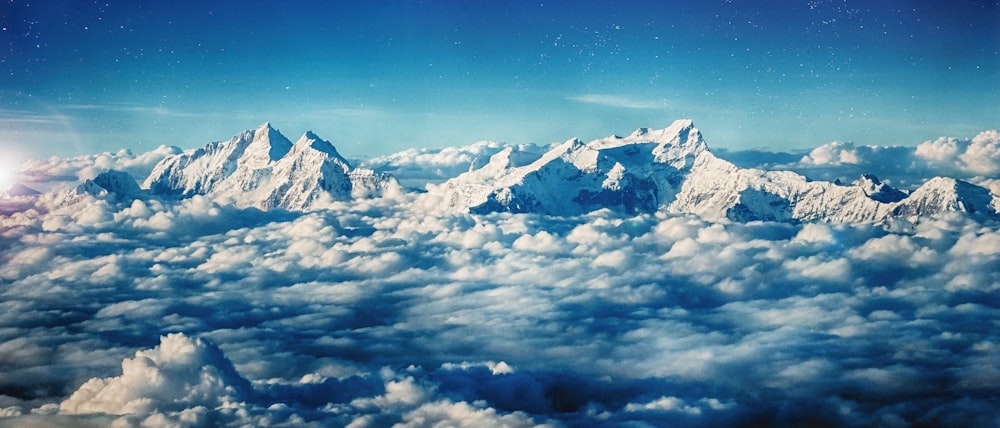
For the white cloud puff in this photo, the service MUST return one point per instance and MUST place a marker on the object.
(178, 374)
(979, 156)
(975, 159)
(462, 414)
(837, 152)
(417, 167)
(982, 156)
(45, 173)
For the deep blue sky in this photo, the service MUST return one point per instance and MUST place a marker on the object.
(378, 77)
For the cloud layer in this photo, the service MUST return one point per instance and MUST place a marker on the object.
(371, 313)
(976, 159)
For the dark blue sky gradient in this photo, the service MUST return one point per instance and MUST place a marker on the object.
(378, 77)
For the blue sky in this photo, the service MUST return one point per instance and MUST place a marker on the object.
(379, 77)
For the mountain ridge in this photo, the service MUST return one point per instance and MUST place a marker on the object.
(650, 170)
(263, 169)
(672, 169)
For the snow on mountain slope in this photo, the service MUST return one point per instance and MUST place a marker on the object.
(672, 169)
(116, 184)
(718, 189)
(262, 168)
(942, 194)
(878, 190)
(631, 174)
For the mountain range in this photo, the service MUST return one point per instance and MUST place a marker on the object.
(672, 169)
(650, 170)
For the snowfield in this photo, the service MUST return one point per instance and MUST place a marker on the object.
(250, 282)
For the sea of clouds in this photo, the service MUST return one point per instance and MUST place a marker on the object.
(120, 312)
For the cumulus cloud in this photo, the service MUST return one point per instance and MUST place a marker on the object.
(976, 159)
(417, 167)
(372, 313)
(979, 156)
(48, 172)
(178, 374)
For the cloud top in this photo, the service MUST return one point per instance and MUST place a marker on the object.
(178, 374)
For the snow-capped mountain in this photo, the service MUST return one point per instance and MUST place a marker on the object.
(262, 168)
(110, 185)
(117, 184)
(672, 169)
(18, 190)
(942, 194)
(630, 174)
(877, 190)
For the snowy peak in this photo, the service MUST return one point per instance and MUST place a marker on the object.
(116, 184)
(262, 168)
(676, 145)
(942, 194)
(268, 145)
(681, 133)
(310, 142)
(315, 142)
(684, 145)
(636, 173)
(877, 190)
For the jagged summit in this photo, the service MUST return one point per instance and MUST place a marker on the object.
(878, 190)
(267, 140)
(943, 194)
(672, 169)
(314, 142)
(113, 184)
(262, 168)
(636, 173)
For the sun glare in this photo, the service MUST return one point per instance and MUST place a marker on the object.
(8, 176)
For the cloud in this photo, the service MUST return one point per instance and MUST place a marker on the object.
(978, 156)
(446, 413)
(45, 174)
(976, 159)
(178, 374)
(419, 167)
(618, 101)
(374, 313)
(128, 108)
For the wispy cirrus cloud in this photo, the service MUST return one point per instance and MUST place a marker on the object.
(132, 108)
(619, 101)
(15, 117)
